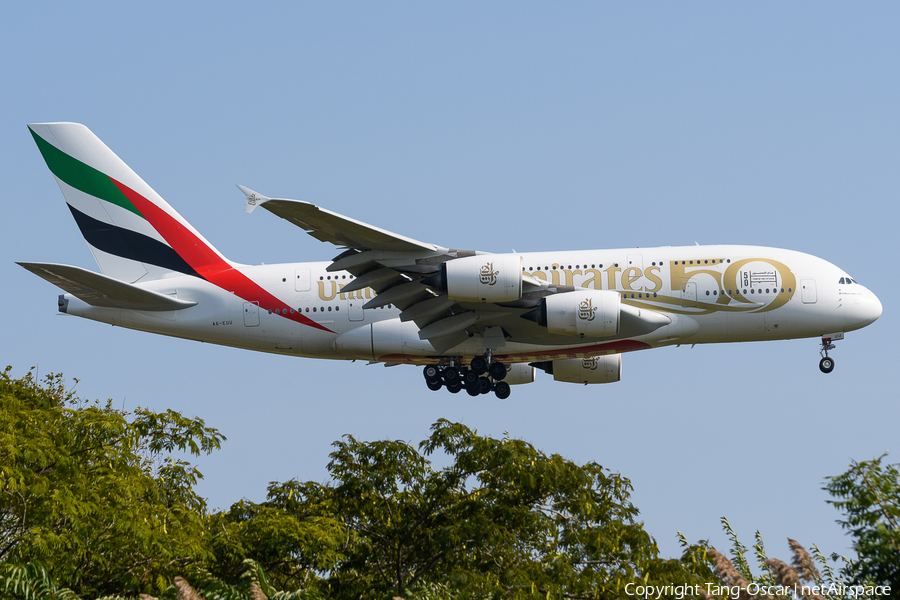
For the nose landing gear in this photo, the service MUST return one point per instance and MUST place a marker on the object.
(481, 377)
(826, 365)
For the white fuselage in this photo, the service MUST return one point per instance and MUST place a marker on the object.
(712, 294)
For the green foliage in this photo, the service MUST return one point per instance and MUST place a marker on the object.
(31, 582)
(252, 582)
(869, 496)
(502, 519)
(803, 578)
(90, 491)
(92, 501)
(295, 536)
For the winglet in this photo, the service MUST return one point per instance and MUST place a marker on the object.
(254, 199)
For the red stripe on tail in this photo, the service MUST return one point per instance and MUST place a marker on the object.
(206, 261)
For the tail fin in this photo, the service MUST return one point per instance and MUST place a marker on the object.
(132, 232)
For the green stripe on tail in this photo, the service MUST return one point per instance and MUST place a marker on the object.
(81, 176)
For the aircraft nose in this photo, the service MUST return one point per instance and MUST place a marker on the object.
(867, 311)
(875, 308)
(861, 310)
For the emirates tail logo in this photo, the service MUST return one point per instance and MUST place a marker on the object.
(586, 311)
(589, 363)
(488, 274)
(251, 200)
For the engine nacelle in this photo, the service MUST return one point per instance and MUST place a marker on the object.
(595, 369)
(519, 373)
(592, 313)
(485, 278)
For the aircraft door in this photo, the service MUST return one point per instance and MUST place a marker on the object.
(355, 308)
(636, 261)
(302, 280)
(808, 291)
(689, 294)
(251, 314)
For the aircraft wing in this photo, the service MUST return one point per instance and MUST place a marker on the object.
(406, 273)
(329, 226)
(103, 291)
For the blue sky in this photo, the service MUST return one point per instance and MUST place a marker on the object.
(487, 126)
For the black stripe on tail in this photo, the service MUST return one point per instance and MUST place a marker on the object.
(129, 244)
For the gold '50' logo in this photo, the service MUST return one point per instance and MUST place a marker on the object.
(488, 274)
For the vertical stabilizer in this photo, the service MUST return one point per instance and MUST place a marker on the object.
(132, 232)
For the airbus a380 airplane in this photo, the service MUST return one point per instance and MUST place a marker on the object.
(476, 321)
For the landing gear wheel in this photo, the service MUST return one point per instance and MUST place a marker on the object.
(470, 378)
(451, 375)
(826, 365)
(454, 388)
(434, 384)
(501, 390)
(432, 373)
(478, 365)
(498, 371)
(474, 390)
(486, 385)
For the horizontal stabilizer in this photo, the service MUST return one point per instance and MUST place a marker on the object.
(102, 291)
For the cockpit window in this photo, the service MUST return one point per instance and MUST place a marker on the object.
(842, 280)
(847, 280)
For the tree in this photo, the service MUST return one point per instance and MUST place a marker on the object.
(869, 496)
(92, 493)
(93, 502)
(295, 536)
(501, 520)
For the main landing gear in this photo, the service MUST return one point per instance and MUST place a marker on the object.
(826, 365)
(482, 376)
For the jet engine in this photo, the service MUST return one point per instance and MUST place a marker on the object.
(585, 312)
(593, 369)
(519, 373)
(484, 278)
